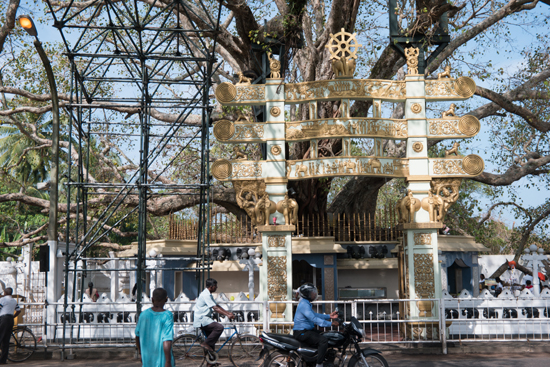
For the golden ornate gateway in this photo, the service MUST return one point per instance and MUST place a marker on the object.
(433, 182)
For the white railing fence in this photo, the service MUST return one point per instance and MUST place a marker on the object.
(111, 324)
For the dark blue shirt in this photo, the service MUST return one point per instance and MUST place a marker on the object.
(306, 319)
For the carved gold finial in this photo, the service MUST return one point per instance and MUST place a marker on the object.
(243, 80)
(412, 60)
(446, 73)
(275, 66)
(239, 154)
(453, 150)
(343, 58)
(450, 112)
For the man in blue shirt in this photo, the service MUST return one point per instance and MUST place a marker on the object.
(305, 320)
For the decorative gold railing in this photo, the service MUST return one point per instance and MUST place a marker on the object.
(356, 227)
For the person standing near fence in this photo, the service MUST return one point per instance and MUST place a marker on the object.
(8, 306)
(155, 332)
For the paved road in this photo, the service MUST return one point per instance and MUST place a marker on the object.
(452, 360)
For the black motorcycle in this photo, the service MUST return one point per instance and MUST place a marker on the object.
(281, 350)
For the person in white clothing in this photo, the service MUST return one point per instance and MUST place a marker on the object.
(9, 309)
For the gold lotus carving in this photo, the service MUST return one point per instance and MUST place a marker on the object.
(275, 111)
(276, 150)
(416, 108)
(417, 146)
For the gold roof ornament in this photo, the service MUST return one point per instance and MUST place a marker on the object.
(343, 57)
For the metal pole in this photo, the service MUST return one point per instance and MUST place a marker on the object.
(54, 173)
(54, 178)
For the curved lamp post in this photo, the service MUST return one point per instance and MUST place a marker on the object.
(28, 25)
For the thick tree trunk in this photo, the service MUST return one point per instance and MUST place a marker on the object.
(359, 195)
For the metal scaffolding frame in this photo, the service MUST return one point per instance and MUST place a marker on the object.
(132, 62)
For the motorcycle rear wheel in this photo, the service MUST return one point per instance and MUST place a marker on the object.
(373, 360)
(278, 359)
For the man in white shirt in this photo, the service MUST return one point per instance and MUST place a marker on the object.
(8, 306)
(203, 310)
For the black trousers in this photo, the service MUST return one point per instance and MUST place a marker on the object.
(6, 327)
(213, 332)
(314, 339)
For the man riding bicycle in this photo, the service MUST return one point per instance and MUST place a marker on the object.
(305, 320)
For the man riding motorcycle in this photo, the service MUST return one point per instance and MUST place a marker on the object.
(305, 320)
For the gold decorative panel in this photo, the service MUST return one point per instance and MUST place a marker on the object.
(340, 127)
(248, 131)
(422, 239)
(276, 277)
(250, 93)
(424, 282)
(473, 164)
(224, 130)
(226, 92)
(276, 241)
(448, 167)
(465, 86)
(346, 89)
(460, 88)
(355, 166)
(222, 169)
(469, 125)
(449, 127)
(252, 169)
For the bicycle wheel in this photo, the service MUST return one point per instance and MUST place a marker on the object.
(187, 348)
(245, 351)
(278, 359)
(373, 360)
(22, 344)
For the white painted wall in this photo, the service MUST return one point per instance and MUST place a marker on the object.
(233, 282)
(371, 278)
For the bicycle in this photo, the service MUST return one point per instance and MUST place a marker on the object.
(22, 344)
(244, 351)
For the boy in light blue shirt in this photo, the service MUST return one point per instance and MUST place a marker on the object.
(155, 332)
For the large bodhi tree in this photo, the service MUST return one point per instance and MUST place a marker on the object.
(513, 105)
